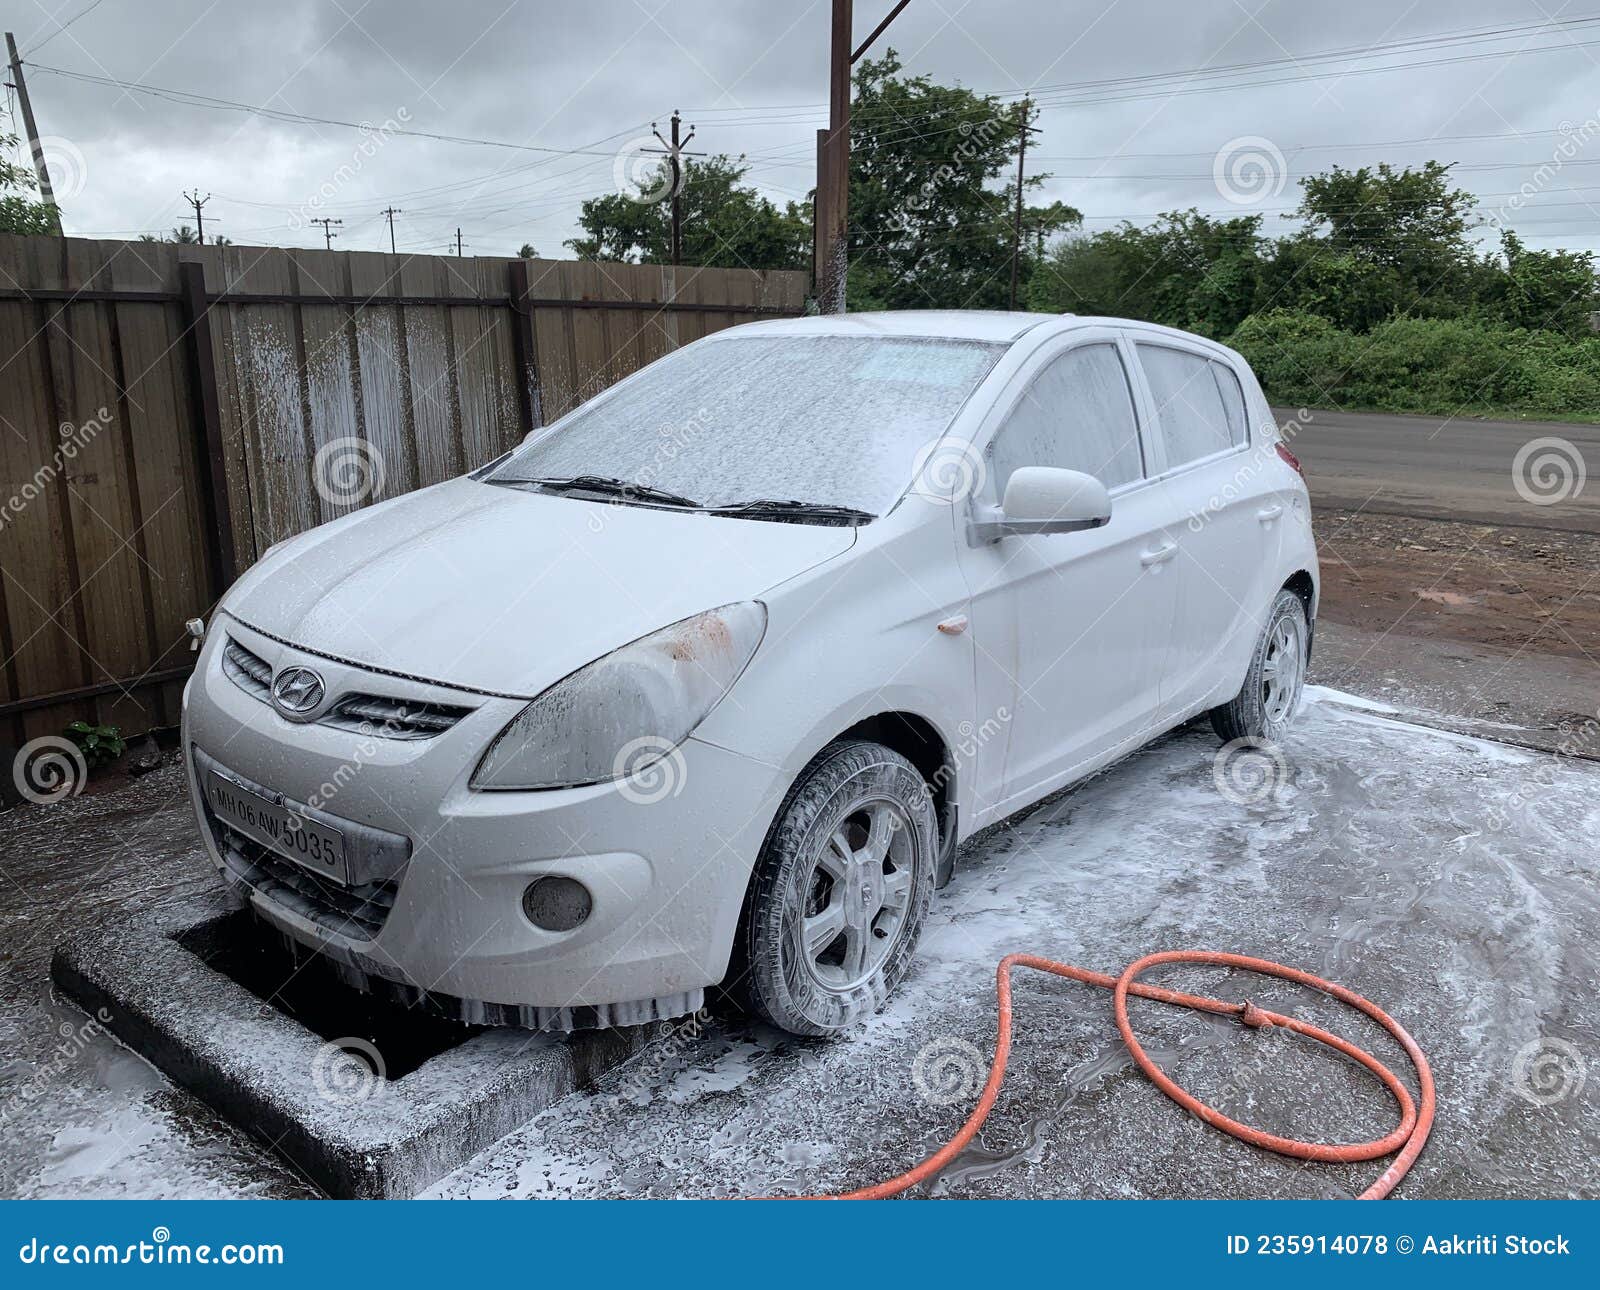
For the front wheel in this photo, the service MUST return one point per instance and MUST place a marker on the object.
(1266, 702)
(840, 892)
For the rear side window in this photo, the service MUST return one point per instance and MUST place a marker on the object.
(1077, 414)
(1232, 402)
(1189, 404)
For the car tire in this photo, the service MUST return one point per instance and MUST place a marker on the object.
(1266, 703)
(854, 848)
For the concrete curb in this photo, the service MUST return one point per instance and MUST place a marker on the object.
(271, 1076)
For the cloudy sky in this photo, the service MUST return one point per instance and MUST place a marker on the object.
(1149, 104)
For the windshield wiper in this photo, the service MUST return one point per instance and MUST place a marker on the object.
(605, 486)
(793, 508)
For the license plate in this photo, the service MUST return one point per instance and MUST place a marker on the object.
(307, 843)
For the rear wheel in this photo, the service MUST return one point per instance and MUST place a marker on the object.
(841, 891)
(1267, 701)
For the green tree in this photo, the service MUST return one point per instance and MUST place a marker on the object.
(1184, 270)
(20, 213)
(931, 222)
(726, 224)
(526, 252)
(1542, 290)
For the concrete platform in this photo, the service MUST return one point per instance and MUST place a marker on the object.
(318, 1100)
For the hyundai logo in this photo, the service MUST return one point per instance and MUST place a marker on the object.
(297, 691)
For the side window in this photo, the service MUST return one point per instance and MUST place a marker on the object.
(1194, 422)
(1232, 402)
(1078, 414)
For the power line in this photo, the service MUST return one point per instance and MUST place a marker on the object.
(83, 13)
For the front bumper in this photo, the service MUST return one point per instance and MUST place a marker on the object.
(434, 908)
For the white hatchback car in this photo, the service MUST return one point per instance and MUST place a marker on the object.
(703, 684)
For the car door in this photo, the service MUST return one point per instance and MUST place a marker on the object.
(1075, 626)
(1229, 523)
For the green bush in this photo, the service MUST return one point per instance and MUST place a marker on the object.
(1432, 365)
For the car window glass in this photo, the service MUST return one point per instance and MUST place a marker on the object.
(837, 420)
(1232, 402)
(1077, 414)
(1194, 422)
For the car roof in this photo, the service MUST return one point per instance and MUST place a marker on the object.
(995, 325)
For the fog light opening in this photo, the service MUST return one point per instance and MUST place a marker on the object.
(557, 904)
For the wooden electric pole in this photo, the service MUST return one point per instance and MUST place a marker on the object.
(47, 194)
(458, 241)
(327, 231)
(831, 214)
(389, 213)
(198, 202)
(674, 152)
(1023, 130)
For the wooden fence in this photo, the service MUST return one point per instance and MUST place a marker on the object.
(145, 461)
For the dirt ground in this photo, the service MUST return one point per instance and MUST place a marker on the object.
(1492, 629)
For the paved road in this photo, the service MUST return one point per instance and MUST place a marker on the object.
(1453, 469)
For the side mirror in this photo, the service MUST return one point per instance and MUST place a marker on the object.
(1043, 499)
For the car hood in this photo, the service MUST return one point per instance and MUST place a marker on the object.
(506, 591)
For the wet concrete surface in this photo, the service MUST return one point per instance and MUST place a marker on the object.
(1450, 879)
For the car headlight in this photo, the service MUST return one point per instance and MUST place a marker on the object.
(634, 706)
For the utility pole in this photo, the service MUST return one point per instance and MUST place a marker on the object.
(47, 194)
(1023, 131)
(327, 231)
(194, 199)
(674, 152)
(458, 241)
(831, 214)
(390, 212)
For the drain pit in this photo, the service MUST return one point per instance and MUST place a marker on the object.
(244, 950)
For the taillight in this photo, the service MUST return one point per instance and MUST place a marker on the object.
(1289, 457)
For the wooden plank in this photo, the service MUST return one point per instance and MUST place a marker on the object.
(553, 334)
(480, 364)
(435, 402)
(329, 369)
(383, 367)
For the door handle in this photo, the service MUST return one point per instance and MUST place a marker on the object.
(1269, 513)
(1160, 555)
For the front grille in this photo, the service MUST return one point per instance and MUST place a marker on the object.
(364, 714)
(357, 913)
(373, 714)
(249, 672)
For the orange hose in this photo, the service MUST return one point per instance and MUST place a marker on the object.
(1408, 1137)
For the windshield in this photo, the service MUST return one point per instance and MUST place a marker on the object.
(831, 420)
